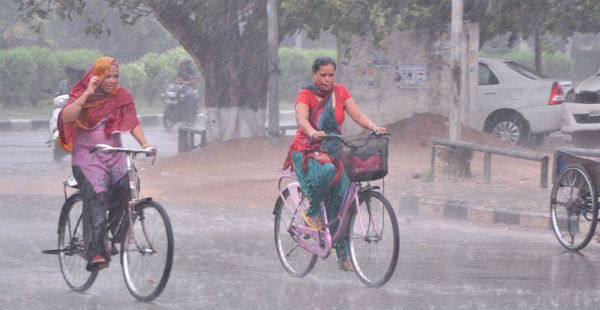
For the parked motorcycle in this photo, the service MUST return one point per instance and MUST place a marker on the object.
(57, 152)
(181, 105)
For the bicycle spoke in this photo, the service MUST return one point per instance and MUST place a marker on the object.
(148, 252)
(296, 261)
(374, 255)
(573, 208)
(70, 247)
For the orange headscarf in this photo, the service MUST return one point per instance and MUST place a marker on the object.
(116, 109)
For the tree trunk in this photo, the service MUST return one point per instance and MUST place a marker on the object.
(233, 63)
(538, 51)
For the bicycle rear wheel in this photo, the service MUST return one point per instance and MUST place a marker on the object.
(374, 250)
(147, 251)
(296, 261)
(71, 250)
(573, 208)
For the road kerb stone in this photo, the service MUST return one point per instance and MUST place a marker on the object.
(464, 210)
(480, 215)
(21, 125)
(537, 221)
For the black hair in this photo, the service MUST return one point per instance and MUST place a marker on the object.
(322, 61)
(69, 70)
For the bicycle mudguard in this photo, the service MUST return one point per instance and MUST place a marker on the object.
(292, 189)
(142, 200)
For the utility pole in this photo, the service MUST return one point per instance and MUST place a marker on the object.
(457, 50)
(273, 66)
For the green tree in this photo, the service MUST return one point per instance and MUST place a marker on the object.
(518, 18)
(228, 40)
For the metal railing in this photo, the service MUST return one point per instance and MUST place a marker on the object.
(487, 159)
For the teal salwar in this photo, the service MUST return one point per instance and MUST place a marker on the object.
(316, 182)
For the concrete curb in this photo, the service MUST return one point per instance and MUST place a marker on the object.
(461, 210)
(42, 123)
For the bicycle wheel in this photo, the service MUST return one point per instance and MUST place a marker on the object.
(71, 250)
(147, 251)
(573, 207)
(374, 239)
(295, 260)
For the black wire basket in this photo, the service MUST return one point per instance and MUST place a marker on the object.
(368, 160)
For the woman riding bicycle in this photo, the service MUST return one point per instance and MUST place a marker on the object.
(97, 112)
(320, 110)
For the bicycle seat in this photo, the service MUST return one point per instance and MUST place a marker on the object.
(71, 182)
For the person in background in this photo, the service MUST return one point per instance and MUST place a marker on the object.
(71, 77)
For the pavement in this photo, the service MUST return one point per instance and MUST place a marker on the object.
(487, 203)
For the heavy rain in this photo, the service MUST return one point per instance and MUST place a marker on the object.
(299, 154)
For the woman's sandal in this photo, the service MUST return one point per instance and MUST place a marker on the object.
(313, 222)
(346, 265)
(96, 263)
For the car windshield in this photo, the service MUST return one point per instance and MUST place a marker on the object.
(524, 70)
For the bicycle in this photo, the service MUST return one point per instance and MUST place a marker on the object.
(364, 216)
(142, 227)
(574, 200)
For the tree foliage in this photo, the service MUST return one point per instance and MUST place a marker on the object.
(227, 38)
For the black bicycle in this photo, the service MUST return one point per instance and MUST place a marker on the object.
(141, 227)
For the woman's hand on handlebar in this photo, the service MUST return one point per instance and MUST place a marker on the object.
(379, 130)
(317, 135)
(148, 147)
(376, 129)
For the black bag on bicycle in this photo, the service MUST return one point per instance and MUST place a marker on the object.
(367, 162)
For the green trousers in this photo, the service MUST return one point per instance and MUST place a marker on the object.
(316, 182)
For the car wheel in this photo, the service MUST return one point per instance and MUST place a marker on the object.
(512, 129)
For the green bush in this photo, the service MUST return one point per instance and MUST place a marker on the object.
(554, 65)
(24, 74)
(26, 71)
(81, 59)
(133, 77)
(587, 63)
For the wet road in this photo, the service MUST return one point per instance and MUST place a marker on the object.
(27, 151)
(225, 259)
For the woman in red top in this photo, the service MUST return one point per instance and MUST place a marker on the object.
(320, 110)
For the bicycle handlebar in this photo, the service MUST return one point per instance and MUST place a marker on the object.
(350, 144)
(104, 148)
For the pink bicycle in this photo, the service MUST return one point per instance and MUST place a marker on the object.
(365, 216)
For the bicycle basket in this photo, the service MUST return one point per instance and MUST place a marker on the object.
(368, 162)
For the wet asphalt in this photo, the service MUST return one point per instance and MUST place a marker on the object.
(225, 259)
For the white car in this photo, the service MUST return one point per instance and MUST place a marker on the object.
(515, 104)
(581, 112)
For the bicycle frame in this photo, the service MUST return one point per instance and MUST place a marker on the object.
(325, 240)
(126, 213)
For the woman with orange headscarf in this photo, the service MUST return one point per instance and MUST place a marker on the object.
(98, 111)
